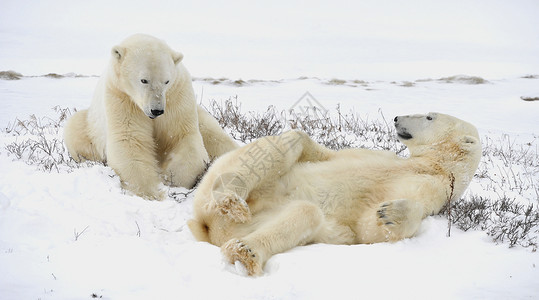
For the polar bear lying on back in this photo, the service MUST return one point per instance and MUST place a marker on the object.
(144, 120)
(283, 191)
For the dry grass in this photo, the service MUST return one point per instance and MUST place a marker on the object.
(335, 131)
(463, 79)
(10, 75)
(508, 172)
(38, 142)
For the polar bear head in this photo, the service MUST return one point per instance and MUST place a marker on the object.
(433, 128)
(422, 133)
(444, 140)
(145, 68)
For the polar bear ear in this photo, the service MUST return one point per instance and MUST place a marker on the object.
(118, 52)
(468, 142)
(177, 57)
(468, 139)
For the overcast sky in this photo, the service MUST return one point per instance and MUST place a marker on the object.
(281, 39)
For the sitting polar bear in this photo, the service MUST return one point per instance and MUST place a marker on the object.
(144, 120)
(283, 191)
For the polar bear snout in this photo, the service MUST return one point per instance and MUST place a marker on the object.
(402, 132)
(396, 121)
(155, 108)
(156, 113)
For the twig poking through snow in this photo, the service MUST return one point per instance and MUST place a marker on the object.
(78, 234)
(138, 232)
(452, 186)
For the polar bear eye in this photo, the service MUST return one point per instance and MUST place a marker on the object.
(145, 81)
(166, 82)
(429, 118)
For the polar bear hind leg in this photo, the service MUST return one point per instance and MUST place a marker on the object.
(296, 224)
(260, 162)
(79, 144)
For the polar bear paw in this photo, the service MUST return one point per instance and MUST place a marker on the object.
(392, 213)
(232, 205)
(147, 191)
(229, 192)
(237, 251)
(401, 218)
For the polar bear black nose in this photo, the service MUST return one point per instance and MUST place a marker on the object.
(396, 119)
(157, 112)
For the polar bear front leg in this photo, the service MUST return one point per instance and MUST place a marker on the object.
(400, 218)
(133, 158)
(186, 161)
(130, 148)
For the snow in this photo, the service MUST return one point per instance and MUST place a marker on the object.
(77, 235)
(69, 235)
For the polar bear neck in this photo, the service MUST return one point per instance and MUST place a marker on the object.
(450, 160)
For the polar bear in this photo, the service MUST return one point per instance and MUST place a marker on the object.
(283, 191)
(144, 120)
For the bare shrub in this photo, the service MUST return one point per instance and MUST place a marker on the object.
(335, 131)
(246, 127)
(508, 169)
(504, 219)
(38, 142)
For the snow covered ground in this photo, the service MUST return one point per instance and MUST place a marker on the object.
(74, 234)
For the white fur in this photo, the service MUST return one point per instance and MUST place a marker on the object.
(144, 120)
(299, 192)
